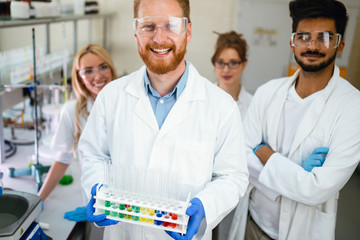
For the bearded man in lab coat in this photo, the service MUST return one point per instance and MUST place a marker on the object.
(302, 135)
(167, 117)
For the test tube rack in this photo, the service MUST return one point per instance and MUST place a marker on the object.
(142, 210)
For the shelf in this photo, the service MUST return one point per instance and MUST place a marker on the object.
(8, 23)
(8, 99)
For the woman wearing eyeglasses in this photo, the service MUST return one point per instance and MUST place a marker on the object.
(92, 70)
(230, 60)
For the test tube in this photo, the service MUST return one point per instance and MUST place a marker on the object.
(114, 206)
(106, 175)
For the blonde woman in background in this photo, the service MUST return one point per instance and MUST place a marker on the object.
(230, 60)
(92, 70)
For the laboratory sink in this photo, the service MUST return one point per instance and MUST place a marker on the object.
(17, 211)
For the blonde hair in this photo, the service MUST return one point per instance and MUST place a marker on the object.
(81, 92)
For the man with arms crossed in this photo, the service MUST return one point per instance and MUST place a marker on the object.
(302, 133)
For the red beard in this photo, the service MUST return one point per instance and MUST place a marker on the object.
(163, 65)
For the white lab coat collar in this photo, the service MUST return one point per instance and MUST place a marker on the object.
(137, 88)
(310, 118)
(194, 90)
(244, 96)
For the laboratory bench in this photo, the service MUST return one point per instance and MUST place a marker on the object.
(60, 200)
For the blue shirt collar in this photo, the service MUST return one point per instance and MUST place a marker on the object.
(179, 88)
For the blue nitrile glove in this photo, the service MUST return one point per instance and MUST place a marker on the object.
(100, 219)
(196, 213)
(257, 147)
(316, 159)
(78, 215)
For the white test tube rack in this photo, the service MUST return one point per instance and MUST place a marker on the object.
(142, 210)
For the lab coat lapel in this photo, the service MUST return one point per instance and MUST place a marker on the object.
(178, 114)
(194, 90)
(274, 112)
(312, 115)
(143, 107)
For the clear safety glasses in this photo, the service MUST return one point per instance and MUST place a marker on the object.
(171, 26)
(89, 73)
(325, 40)
(231, 65)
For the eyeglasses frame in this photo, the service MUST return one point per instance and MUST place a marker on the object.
(157, 26)
(338, 35)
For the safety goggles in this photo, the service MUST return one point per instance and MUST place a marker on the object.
(325, 40)
(89, 73)
(171, 26)
(231, 65)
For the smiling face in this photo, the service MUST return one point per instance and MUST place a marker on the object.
(315, 58)
(226, 75)
(102, 73)
(162, 53)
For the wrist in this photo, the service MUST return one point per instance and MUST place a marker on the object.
(258, 146)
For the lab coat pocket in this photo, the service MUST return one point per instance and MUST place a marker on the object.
(194, 160)
(323, 225)
(315, 140)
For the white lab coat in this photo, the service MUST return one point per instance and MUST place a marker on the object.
(243, 102)
(62, 141)
(201, 138)
(308, 199)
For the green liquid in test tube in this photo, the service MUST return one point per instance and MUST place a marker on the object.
(114, 214)
(137, 209)
(107, 204)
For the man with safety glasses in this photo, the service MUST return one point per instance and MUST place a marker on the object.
(302, 134)
(167, 117)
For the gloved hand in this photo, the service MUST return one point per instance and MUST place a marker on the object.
(196, 213)
(78, 215)
(316, 159)
(100, 219)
